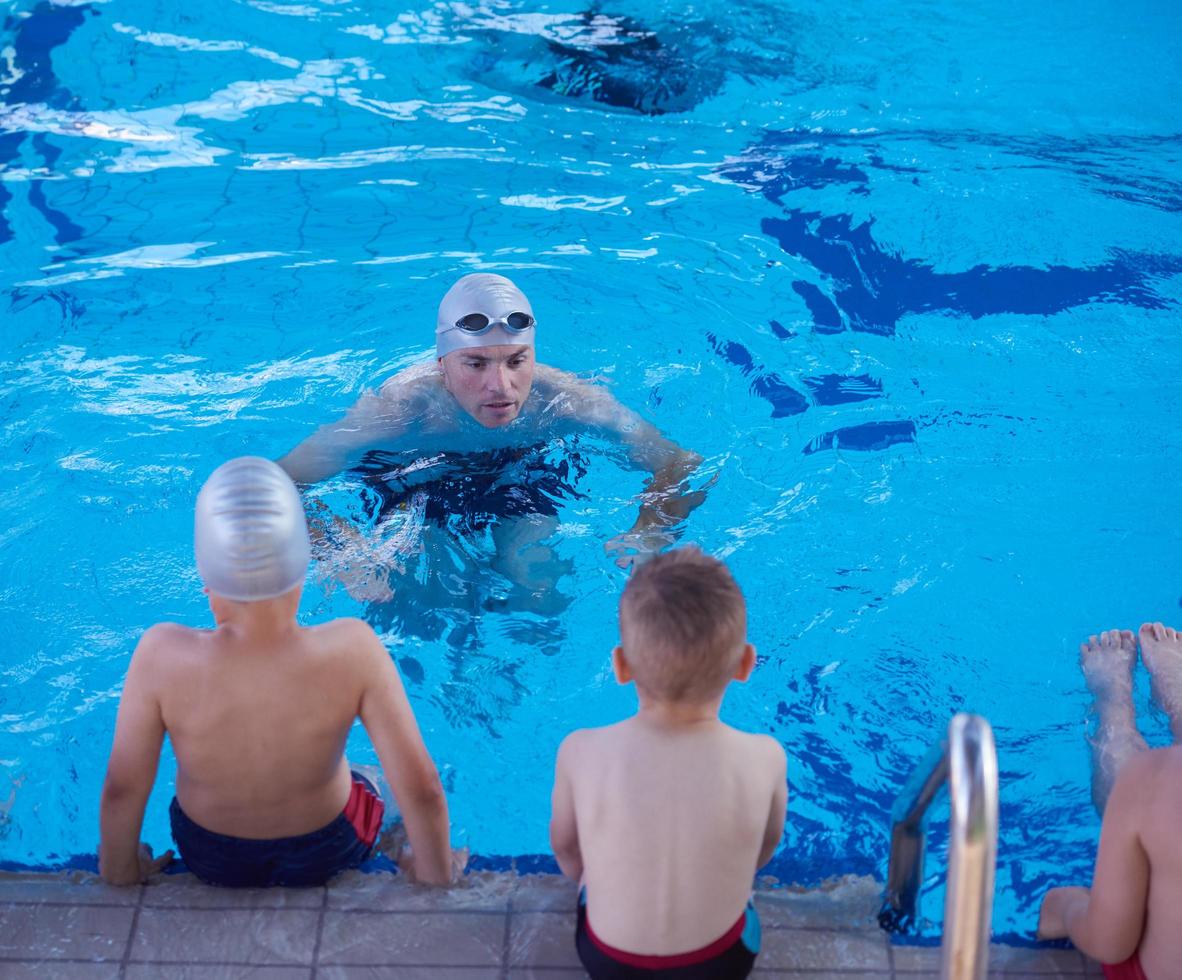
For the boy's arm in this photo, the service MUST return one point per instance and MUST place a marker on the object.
(373, 419)
(779, 809)
(387, 716)
(131, 771)
(1107, 922)
(564, 830)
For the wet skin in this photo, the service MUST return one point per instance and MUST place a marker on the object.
(490, 383)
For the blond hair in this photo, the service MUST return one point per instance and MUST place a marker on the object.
(683, 622)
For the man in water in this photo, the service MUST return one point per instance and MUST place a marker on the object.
(1131, 918)
(486, 394)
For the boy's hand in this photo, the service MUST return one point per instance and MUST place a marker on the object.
(146, 866)
(406, 864)
(151, 865)
(1057, 904)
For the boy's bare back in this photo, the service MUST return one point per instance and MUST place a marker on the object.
(258, 722)
(673, 821)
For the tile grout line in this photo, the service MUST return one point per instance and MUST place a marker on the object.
(504, 975)
(135, 921)
(319, 932)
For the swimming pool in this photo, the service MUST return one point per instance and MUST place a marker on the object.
(906, 275)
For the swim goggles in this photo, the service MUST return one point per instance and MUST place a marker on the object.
(480, 323)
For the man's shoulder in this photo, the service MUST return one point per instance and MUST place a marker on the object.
(553, 380)
(418, 382)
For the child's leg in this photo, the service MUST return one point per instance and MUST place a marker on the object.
(1107, 663)
(1161, 649)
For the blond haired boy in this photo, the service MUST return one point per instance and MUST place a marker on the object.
(665, 817)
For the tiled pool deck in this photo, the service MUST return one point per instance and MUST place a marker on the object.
(495, 927)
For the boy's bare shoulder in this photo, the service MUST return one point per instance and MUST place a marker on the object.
(169, 637)
(763, 747)
(584, 740)
(345, 636)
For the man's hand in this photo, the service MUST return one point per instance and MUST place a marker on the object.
(1059, 905)
(635, 546)
(364, 562)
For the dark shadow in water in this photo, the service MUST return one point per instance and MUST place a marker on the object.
(34, 37)
(867, 437)
(615, 61)
(872, 287)
(642, 70)
(478, 569)
(869, 288)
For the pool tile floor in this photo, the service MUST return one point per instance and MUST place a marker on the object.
(494, 927)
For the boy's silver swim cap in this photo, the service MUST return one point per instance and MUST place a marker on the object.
(250, 535)
(481, 292)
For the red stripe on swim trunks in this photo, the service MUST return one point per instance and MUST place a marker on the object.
(364, 811)
(720, 945)
(1130, 969)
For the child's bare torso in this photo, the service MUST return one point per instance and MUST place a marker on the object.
(670, 822)
(259, 725)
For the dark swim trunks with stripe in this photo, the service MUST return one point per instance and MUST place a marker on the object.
(473, 489)
(303, 861)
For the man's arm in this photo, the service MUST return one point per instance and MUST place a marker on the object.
(1106, 922)
(131, 771)
(564, 830)
(665, 500)
(376, 417)
(388, 718)
(779, 810)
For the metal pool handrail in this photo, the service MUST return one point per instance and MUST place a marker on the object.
(967, 761)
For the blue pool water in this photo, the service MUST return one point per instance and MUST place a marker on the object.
(907, 275)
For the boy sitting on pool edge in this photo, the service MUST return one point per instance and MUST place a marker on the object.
(1131, 917)
(258, 710)
(665, 817)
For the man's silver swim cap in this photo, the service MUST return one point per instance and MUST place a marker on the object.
(251, 537)
(491, 296)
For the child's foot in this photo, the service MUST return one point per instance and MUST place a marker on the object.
(1107, 662)
(1161, 649)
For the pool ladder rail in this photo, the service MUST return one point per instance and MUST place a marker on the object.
(967, 761)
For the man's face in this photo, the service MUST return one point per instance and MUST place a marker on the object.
(490, 383)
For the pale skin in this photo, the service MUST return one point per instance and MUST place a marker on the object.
(495, 397)
(1135, 901)
(258, 710)
(666, 817)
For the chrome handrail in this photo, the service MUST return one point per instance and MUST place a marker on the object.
(967, 761)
